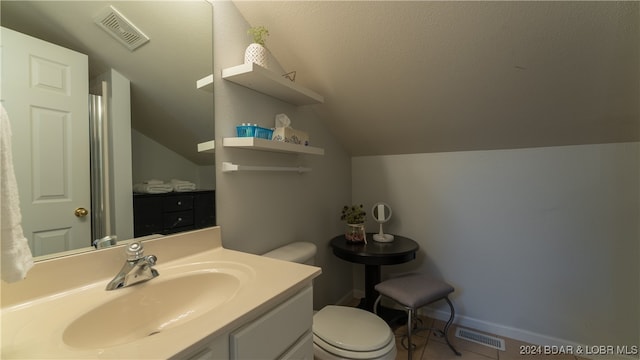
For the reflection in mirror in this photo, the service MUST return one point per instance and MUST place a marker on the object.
(381, 214)
(53, 55)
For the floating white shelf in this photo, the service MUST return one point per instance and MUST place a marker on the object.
(270, 145)
(257, 78)
(208, 146)
(206, 83)
(229, 167)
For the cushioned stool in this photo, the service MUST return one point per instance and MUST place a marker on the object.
(413, 292)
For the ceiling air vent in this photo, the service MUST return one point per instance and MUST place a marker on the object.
(118, 26)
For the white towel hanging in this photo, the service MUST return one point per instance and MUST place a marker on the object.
(16, 256)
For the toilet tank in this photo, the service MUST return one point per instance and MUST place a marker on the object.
(300, 252)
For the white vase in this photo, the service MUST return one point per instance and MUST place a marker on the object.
(258, 54)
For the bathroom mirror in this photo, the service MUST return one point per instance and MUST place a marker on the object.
(381, 214)
(169, 115)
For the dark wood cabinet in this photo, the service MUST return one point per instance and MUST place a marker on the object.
(173, 212)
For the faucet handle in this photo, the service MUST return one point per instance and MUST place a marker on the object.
(152, 260)
(135, 251)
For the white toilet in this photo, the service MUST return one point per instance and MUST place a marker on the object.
(341, 332)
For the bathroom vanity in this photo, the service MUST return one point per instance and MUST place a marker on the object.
(207, 303)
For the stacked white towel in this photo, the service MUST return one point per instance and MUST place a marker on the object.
(160, 187)
(153, 187)
(182, 185)
(16, 256)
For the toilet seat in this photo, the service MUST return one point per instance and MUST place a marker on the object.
(352, 333)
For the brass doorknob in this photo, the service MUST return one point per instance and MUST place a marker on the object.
(81, 212)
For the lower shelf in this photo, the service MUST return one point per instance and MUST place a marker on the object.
(228, 167)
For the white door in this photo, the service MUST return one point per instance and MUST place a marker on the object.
(45, 91)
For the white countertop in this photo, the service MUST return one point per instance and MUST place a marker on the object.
(36, 311)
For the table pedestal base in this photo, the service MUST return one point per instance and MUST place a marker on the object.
(393, 317)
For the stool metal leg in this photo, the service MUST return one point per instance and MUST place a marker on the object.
(409, 329)
(375, 305)
(411, 314)
(447, 325)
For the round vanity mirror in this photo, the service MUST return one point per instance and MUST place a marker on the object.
(381, 214)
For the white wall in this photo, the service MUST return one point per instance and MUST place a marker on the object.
(152, 160)
(259, 211)
(541, 244)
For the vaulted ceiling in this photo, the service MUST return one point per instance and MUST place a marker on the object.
(397, 76)
(421, 76)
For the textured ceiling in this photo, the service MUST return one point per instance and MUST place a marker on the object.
(166, 106)
(418, 76)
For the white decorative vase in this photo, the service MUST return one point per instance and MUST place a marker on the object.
(258, 54)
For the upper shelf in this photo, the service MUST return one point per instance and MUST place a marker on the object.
(257, 78)
(270, 145)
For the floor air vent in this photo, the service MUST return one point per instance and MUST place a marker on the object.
(479, 338)
(118, 26)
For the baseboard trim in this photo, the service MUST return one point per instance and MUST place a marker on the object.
(348, 298)
(498, 329)
(518, 334)
(357, 293)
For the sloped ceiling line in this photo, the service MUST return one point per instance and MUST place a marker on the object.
(422, 76)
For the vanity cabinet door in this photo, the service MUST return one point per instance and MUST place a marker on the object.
(178, 221)
(278, 334)
(177, 203)
(178, 213)
(302, 350)
(214, 350)
(147, 216)
(204, 209)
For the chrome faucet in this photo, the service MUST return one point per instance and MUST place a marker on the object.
(105, 242)
(136, 269)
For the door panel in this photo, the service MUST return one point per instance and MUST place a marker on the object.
(45, 91)
(49, 148)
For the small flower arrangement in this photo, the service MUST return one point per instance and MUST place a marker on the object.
(353, 214)
(259, 34)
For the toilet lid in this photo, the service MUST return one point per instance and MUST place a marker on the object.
(351, 329)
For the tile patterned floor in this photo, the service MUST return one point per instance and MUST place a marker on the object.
(430, 346)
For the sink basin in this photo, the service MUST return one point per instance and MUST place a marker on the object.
(154, 306)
